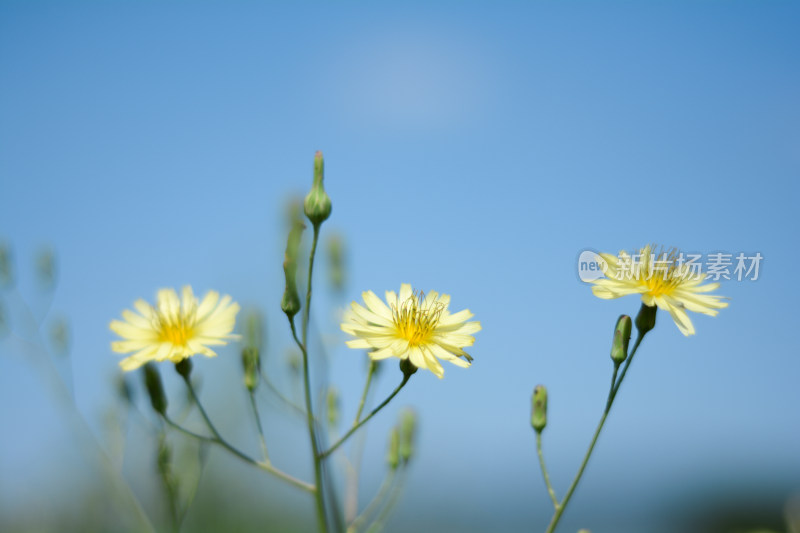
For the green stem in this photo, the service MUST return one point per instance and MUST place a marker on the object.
(319, 495)
(372, 413)
(282, 397)
(544, 470)
(611, 395)
(370, 372)
(217, 439)
(374, 504)
(261, 438)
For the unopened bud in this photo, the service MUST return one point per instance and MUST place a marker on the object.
(184, 368)
(622, 335)
(393, 454)
(408, 429)
(254, 329)
(164, 457)
(124, 389)
(46, 268)
(407, 367)
(155, 389)
(333, 407)
(251, 363)
(646, 319)
(336, 266)
(6, 272)
(539, 408)
(317, 204)
(290, 304)
(59, 336)
(295, 361)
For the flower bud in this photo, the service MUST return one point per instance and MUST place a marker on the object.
(155, 389)
(539, 408)
(408, 429)
(295, 361)
(59, 336)
(290, 304)
(333, 407)
(646, 319)
(317, 204)
(336, 266)
(46, 268)
(164, 457)
(407, 367)
(6, 273)
(124, 389)
(622, 335)
(251, 363)
(393, 455)
(254, 329)
(184, 368)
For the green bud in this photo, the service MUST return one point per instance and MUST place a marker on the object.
(124, 389)
(59, 336)
(333, 407)
(164, 457)
(407, 367)
(336, 267)
(155, 389)
(408, 429)
(393, 455)
(184, 368)
(254, 329)
(622, 335)
(295, 361)
(290, 304)
(539, 408)
(646, 319)
(317, 204)
(251, 363)
(3, 320)
(46, 268)
(6, 272)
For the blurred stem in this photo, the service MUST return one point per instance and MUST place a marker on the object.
(355, 427)
(374, 503)
(262, 440)
(217, 439)
(370, 372)
(282, 397)
(611, 395)
(319, 494)
(544, 470)
(397, 489)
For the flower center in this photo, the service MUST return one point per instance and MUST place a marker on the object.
(176, 330)
(661, 273)
(416, 322)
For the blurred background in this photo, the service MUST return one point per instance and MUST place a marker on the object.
(471, 148)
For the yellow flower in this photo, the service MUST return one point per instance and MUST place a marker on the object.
(174, 330)
(413, 326)
(664, 280)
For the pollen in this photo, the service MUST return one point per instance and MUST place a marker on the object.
(416, 322)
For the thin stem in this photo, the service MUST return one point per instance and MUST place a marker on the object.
(394, 495)
(355, 427)
(611, 395)
(544, 470)
(282, 397)
(319, 495)
(373, 504)
(217, 439)
(262, 440)
(370, 372)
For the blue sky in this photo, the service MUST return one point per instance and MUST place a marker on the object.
(471, 148)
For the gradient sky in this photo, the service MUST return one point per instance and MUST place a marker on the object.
(471, 148)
